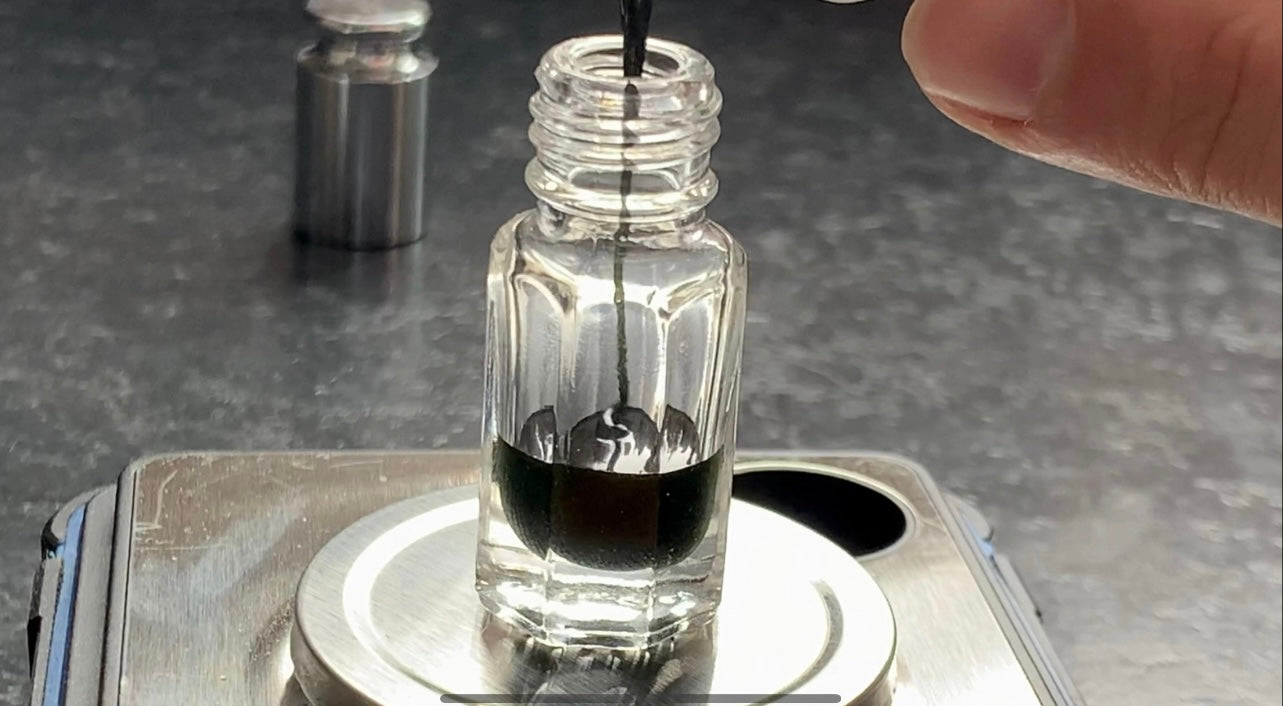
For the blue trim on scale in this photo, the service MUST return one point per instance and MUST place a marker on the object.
(986, 548)
(60, 642)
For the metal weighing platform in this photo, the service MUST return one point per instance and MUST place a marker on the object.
(323, 579)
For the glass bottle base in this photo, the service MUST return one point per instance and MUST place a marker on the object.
(560, 604)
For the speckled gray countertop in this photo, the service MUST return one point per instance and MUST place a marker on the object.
(1098, 369)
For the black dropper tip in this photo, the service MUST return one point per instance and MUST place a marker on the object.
(635, 17)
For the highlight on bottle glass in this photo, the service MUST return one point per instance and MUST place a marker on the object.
(614, 334)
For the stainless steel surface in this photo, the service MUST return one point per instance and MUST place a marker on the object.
(218, 542)
(387, 615)
(405, 17)
(954, 649)
(361, 119)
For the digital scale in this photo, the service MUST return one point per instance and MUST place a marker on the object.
(324, 579)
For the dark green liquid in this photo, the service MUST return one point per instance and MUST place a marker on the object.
(602, 519)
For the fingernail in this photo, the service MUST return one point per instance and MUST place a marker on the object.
(994, 56)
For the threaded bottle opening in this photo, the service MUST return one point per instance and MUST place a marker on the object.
(592, 124)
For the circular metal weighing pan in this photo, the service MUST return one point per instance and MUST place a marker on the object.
(387, 615)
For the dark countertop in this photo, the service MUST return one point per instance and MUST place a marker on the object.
(1097, 368)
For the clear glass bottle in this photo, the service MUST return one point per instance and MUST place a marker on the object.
(614, 335)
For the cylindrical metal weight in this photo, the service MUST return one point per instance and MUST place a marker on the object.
(361, 125)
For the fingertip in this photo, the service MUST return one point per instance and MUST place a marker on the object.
(993, 56)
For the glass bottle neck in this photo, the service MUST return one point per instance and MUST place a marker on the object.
(617, 150)
(556, 224)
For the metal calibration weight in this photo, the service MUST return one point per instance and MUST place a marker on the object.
(361, 125)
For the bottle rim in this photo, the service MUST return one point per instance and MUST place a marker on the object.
(597, 62)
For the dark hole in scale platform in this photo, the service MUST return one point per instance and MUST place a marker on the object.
(854, 516)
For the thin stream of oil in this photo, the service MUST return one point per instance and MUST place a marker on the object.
(635, 19)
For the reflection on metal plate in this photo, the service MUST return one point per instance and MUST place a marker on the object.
(387, 616)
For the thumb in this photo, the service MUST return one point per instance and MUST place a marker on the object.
(1177, 97)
